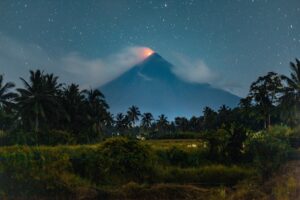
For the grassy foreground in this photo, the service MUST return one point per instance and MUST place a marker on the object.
(127, 169)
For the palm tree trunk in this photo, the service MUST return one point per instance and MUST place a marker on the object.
(269, 121)
(36, 129)
(36, 126)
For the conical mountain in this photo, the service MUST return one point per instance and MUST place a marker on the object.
(153, 87)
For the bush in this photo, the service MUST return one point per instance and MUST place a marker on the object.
(4, 138)
(173, 135)
(183, 158)
(28, 172)
(122, 160)
(217, 141)
(17, 138)
(55, 137)
(267, 153)
(84, 162)
(52, 137)
(294, 137)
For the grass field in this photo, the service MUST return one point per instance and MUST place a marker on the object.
(173, 173)
(184, 144)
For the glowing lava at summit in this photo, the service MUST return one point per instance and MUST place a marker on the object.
(147, 52)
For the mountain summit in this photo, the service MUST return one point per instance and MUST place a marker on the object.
(153, 87)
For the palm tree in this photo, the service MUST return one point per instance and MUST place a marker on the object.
(162, 123)
(290, 100)
(7, 115)
(74, 105)
(97, 109)
(293, 82)
(5, 95)
(209, 118)
(147, 119)
(182, 123)
(194, 124)
(38, 100)
(224, 118)
(121, 122)
(95, 97)
(133, 114)
(109, 119)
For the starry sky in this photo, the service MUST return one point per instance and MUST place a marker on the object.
(227, 43)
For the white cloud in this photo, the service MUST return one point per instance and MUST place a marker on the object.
(195, 71)
(17, 58)
(96, 72)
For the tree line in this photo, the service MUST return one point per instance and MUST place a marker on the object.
(44, 104)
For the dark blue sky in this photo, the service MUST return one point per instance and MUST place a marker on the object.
(227, 43)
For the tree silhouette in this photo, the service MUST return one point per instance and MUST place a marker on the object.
(290, 100)
(162, 123)
(182, 123)
(38, 100)
(264, 91)
(147, 119)
(209, 118)
(73, 103)
(7, 112)
(97, 109)
(133, 114)
(122, 122)
(6, 96)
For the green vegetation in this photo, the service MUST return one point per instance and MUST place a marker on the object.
(61, 170)
(122, 164)
(59, 141)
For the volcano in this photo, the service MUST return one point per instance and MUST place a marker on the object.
(153, 87)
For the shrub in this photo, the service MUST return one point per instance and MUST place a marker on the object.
(173, 135)
(26, 171)
(55, 137)
(4, 138)
(84, 162)
(17, 138)
(122, 160)
(294, 137)
(279, 131)
(267, 153)
(184, 158)
(234, 146)
(217, 141)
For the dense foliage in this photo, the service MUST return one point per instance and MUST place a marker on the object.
(58, 171)
(101, 151)
(46, 106)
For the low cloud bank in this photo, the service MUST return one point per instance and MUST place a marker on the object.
(17, 58)
(195, 71)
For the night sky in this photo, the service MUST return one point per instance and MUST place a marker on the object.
(227, 43)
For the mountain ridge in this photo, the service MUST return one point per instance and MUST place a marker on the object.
(153, 87)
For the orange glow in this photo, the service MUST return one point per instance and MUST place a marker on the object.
(147, 52)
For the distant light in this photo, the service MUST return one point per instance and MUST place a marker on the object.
(147, 52)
